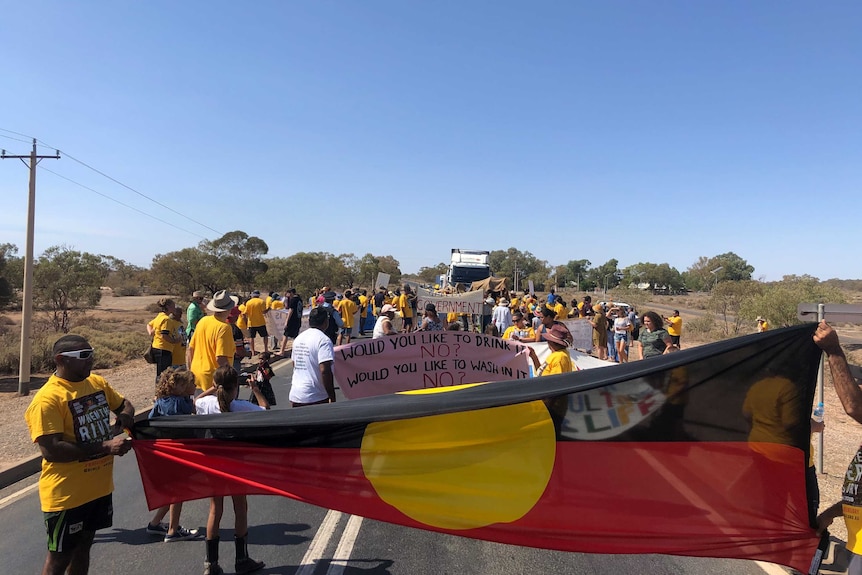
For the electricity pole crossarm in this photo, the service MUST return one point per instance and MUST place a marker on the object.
(27, 304)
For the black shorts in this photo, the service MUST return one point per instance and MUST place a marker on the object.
(407, 321)
(675, 340)
(260, 330)
(291, 330)
(67, 529)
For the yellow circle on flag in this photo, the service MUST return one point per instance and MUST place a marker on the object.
(462, 470)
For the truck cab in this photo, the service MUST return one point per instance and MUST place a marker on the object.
(468, 266)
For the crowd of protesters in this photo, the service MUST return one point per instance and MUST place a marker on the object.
(199, 368)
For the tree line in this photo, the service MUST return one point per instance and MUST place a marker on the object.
(66, 279)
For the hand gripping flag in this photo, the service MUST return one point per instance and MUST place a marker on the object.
(701, 452)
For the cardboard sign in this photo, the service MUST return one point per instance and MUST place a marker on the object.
(426, 359)
(470, 302)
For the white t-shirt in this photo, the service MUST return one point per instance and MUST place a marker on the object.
(208, 405)
(621, 325)
(311, 348)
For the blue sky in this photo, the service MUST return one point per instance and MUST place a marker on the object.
(645, 131)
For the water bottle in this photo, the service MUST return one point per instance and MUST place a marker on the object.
(818, 413)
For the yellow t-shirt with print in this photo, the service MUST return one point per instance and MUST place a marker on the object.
(81, 412)
(164, 322)
(212, 338)
(558, 362)
(513, 329)
(404, 306)
(254, 310)
(851, 495)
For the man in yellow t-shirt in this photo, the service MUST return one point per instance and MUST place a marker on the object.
(212, 344)
(762, 325)
(347, 308)
(69, 417)
(255, 308)
(406, 308)
(674, 327)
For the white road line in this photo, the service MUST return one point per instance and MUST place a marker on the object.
(319, 543)
(20, 493)
(345, 546)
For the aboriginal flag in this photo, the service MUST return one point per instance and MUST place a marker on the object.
(702, 452)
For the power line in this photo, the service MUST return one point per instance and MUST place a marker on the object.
(29, 138)
(16, 139)
(116, 181)
(119, 202)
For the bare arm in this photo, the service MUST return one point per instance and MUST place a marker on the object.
(825, 519)
(845, 386)
(57, 450)
(327, 379)
(388, 329)
(125, 416)
(261, 400)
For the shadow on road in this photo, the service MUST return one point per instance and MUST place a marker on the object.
(277, 533)
(351, 566)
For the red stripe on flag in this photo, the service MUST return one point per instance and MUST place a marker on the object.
(709, 499)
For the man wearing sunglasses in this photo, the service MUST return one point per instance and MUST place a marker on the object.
(69, 418)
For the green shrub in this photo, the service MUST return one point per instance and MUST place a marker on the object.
(702, 325)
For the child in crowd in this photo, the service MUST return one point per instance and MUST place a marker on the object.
(173, 397)
(222, 398)
(261, 376)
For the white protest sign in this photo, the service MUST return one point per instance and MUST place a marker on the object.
(582, 332)
(462, 303)
(382, 280)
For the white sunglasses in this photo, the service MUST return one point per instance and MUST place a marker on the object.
(80, 354)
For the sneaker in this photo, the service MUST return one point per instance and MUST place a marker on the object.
(160, 529)
(247, 565)
(212, 568)
(181, 534)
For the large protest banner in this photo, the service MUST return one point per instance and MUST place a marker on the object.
(681, 454)
(276, 320)
(426, 359)
(462, 303)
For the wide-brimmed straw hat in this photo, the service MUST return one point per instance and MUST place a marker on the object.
(222, 301)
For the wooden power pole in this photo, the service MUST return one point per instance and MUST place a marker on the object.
(27, 305)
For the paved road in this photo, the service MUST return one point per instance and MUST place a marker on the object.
(295, 538)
